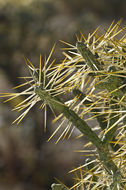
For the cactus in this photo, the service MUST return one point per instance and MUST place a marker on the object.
(94, 73)
(57, 187)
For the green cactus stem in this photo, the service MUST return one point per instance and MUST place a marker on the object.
(91, 60)
(110, 83)
(101, 120)
(55, 186)
(82, 126)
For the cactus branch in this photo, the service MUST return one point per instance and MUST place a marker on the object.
(82, 126)
(91, 60)
(101, 120)
(110, 83)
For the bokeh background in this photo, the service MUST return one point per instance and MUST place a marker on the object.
(28, 28)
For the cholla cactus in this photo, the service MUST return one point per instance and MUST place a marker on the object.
(94, 73)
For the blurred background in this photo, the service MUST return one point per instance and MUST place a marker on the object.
(28, 28)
